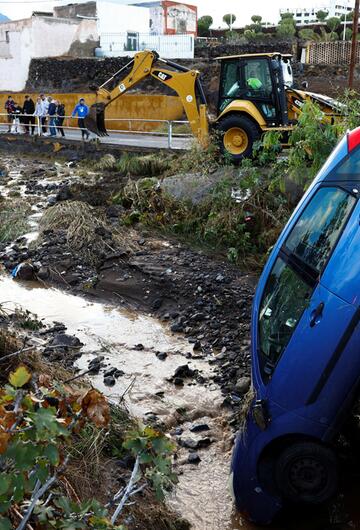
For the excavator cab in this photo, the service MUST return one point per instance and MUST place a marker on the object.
(252, 98)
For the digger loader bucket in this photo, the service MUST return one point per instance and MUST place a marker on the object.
(95, 120)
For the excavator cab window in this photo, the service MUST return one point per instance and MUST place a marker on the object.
(248, 79)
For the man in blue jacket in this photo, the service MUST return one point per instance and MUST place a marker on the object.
(81, 110)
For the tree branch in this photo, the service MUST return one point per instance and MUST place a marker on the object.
(128, 491)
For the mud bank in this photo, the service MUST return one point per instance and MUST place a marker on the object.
(63, 149)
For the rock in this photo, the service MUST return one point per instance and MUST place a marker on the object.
(197, 345)
(114, 211)
(193, 458)
(242, 385)
(118, 373)
(190, 443)
(62, 340)
(64, 194)
(139, 347)
(177, 327)
(157, 303)
(51, 200)
(161, 355)
(110, 371)
(178, 381)
(177, 431)
(43, 273)
(25, 271)
(109, 381)
(184, 371)
(198, 317)
(199, 427)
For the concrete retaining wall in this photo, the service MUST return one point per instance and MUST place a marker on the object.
(128, 106)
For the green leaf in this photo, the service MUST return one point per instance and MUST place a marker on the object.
(5, 523)
(5, 482)
(146, 458)
(4, 505)
(19, 377)
(46, 423)
(52, 454)
(18, 487)
(42, 472)
(64, 504)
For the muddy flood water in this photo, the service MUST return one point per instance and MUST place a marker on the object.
(201, 495)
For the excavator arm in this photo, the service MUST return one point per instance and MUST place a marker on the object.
(186, 83)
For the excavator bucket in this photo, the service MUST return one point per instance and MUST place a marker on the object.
(95, 120)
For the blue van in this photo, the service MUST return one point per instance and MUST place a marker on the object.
(305, 347)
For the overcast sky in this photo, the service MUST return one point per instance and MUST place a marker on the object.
(243, 9)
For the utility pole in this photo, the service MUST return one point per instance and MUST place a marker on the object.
(354, 44)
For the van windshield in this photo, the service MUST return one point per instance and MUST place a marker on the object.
(297, 270)
(317, 230)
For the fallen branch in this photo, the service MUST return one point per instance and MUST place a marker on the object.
(36, 496)
(128, 491)
(10, 355)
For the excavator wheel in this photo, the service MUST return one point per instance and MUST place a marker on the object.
(238, 134)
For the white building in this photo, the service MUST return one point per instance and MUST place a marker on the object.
(39, 36)
(307, 15)
(165, 26)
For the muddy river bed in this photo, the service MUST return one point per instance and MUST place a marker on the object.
(168, 328)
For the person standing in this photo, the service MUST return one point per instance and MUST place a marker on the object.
(52, 117)
(45, 108)
(29, 109)
(60, 112)
(38, 113)
(81, 110)
(9, 107)
(16, 118)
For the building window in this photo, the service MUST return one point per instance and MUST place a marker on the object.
(7, 36)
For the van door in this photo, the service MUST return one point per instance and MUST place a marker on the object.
(300, 322)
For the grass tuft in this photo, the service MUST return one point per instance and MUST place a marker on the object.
(86, 233)
(13, 219)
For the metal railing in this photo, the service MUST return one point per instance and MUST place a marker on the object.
(177, 46)
(37, 125)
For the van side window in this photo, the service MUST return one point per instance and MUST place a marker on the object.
(285, 298)
(319, 227)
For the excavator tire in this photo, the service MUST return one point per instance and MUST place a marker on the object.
(238, 134)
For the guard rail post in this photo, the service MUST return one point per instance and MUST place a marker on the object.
(170, 130)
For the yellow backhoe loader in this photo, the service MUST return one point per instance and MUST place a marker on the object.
(256, 94)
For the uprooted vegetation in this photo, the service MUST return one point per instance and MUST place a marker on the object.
(236, 211)
(86, 233)
(68, 457)
(13, 219)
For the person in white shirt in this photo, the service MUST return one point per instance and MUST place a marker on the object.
(45, 107)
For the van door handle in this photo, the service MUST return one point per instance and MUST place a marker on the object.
(316, 314)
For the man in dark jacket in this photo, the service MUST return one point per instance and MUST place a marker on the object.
(29, 118)
(52, 117)
(60, 113)
(9, 107)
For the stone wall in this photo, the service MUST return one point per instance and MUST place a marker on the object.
(209, 51)
(65, 75)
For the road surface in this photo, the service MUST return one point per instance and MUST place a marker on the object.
(125, 139)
